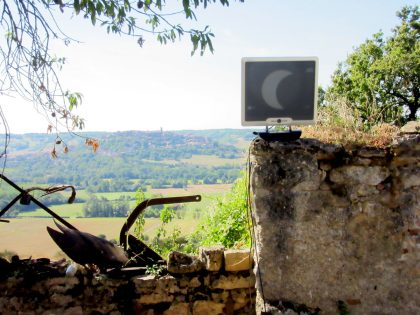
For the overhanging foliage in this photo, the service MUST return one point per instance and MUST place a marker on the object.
(381, 78)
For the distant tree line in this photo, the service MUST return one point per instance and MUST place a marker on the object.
(102, 207)
(50, 200)
(119, 177)
(126, 161)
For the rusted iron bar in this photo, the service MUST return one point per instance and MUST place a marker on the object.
(35, 201)
(10, 204)
(151, 202)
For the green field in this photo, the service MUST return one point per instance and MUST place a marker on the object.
(67, 210)
(209, 194)
(212, 160)
(28, 236)
(115, 195)
(204, 160)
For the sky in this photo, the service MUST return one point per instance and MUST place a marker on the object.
(126, 87)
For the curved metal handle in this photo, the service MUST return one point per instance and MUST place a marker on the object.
(150, 202)
(23, 193)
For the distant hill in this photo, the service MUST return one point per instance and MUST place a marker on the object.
(129, 159)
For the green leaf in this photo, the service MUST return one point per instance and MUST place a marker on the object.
(93, 19)
(209, 43)
(99, 8)
(76, 5)
(186, 5)
(158, 4)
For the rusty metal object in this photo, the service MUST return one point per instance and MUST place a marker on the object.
(85, 248)
(26, 198)
(54, 189)
(141, 254)
(151, 202)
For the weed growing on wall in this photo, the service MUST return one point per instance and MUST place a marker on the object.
(140, 221)
(227, 223)
(166, 241)
(338, 123)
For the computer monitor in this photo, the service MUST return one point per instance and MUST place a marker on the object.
(279, 91)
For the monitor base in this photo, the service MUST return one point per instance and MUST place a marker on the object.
(286, 136)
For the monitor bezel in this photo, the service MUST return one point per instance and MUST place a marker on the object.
(273, 121)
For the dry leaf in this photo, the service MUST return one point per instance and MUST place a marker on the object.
(92, 143)
(54, 153)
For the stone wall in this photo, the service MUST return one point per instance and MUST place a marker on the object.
(217, 282)
(337, 228)
(337, 232)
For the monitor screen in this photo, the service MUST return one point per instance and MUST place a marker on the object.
(279, 91)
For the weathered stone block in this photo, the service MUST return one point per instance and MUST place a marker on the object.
(369, 175)
(411, 127)
(68, 282)
(212, 257)
(180, 263)
(221, 297)
(194, 283)
(372, 153)
(208, 308)
(168, 283)
(409, 176)
(178, 309)
(242, 298)
(60, 299)
(148, 281)
(238, 260)
(150, 285)
(233, 281)
(358, 161)
(156, 298)
(75, 310)
(361, 190)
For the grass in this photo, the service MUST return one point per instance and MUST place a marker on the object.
(205, 160)
(67, 210)
(379, 136)
(339, 124)
(212, 160)
(116, 195)
(166, 192)
(192, 189)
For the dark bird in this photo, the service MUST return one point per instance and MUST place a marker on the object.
(84, 248)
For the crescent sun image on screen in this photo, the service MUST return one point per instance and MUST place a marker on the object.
(279, 91)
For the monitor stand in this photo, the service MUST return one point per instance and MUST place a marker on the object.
(283, 136)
